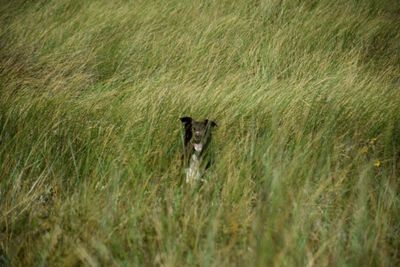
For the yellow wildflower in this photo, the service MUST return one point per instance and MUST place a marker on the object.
(377, 163)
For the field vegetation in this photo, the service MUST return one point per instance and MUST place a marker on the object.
(306, 95)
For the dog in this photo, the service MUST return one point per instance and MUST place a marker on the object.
(196, 141)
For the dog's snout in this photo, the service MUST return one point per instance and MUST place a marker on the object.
(198, 135)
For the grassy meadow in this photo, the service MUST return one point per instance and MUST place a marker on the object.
(306, 95)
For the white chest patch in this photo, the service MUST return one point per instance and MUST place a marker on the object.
(193, 172)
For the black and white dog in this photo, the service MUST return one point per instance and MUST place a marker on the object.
(196, 143)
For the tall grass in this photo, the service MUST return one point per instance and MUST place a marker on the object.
(307, 149)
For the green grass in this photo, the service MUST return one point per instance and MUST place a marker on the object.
(307, 149)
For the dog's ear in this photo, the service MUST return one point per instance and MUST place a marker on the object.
(212, 123)
(186, 120)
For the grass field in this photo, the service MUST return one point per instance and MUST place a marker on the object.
(306, 95)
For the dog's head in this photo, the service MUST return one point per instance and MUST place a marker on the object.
(197, 132)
